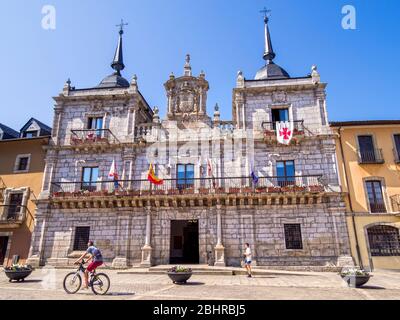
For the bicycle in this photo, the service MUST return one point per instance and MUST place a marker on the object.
(99, 282)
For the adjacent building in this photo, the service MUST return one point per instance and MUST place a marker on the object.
(369, 166)
(21, 171)
(225, 183)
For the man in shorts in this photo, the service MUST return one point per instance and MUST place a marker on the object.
(247, 259)
(97, 261)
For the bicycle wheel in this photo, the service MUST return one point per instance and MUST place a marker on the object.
(72, 282)
(100, 284)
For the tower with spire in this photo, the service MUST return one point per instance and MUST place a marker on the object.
(270, 70)
(115, 79)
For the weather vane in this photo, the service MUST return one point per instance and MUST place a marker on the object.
(121, 25)
(266, 12)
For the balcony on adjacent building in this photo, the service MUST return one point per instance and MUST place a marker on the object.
(311, 184)
(396, 154)
(270, 134)
(370, 156)
(13, 216)
(2, 188)
(93, 138)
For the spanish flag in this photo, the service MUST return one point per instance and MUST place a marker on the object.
(151, 176)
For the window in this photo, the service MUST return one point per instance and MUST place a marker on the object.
(22, 163)
(96, 123)
(30, 134)
(185, 176)
(375, 197)
(285, 172)
(14, 206)
(367, 149)
(293, 238)
(322, 111)
(397, 147)
(279, 115)
(89, 178)
(384, 241)
(81, 238)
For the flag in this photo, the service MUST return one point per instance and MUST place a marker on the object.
(151, 176)
(210, 169)
(254, 176)
(284, 132)
(114, 174)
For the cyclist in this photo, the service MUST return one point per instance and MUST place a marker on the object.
(97, 261)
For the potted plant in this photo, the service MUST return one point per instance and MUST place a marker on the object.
(274, 189)
(204, 190)
(173, 191)
(188, 191)
(354, 277)
(261, 189)
(247, 190)
(18, 272)
(179, 274)
(159, 192)
(219, 190)
(316, 189)
(234, 190)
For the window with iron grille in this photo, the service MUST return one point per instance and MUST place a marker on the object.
(293, 236)
(384, 241)
(81, 238)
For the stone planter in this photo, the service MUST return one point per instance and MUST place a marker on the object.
(17, 275)
(356, 281)
(179, 277)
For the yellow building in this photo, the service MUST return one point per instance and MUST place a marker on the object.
(369, 165)
(21, 172)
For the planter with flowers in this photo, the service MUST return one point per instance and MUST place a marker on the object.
(179, 274)
(18, 272)
(355, 278)
(204, 190)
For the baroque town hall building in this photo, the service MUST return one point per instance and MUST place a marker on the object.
(225, 182)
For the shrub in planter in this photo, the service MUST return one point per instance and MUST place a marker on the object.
(219, 190)
(274, 189)
(179, 274)
(234, 190)
(354, 277)
(300, 188)
(18, 272)
(173, 191)
(204, 191)
(288, 189)
(316, 189)
(247, 190)
(261, 189)
(145, 192)
(188, 191)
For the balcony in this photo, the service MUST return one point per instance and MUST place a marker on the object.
(142, 131)
(395, 203)
(89, 138)
(396, 154)
(131, 192)
(374, 156)
(377, 207)
(13, 216)
(269, 129)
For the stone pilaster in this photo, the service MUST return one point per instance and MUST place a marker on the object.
(123, 235)
(147, 249)
(219, 248)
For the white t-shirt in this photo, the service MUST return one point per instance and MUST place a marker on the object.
(248, 254)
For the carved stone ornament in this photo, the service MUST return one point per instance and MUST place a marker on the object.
(279, 96)
(186, 102)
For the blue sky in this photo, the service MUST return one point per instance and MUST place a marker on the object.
(361, 66)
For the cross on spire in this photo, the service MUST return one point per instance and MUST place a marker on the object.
(265, 11)
(121, 26)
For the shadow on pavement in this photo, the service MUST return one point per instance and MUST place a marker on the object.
(373, 288)
(120, 294)
(192, 283)
(27, 281)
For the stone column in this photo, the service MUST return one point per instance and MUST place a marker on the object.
(122, 248)
(147, 249)
(219, 248)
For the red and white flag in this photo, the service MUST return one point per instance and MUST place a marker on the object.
(113, 171)
(210, 168)
(284, 132)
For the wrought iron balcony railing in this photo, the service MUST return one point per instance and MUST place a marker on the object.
(395, 202)
(201, 186)
(374, 156)
(396, 154)
(13, 214)
(377, 207)
(298, 126)
(93, 136)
